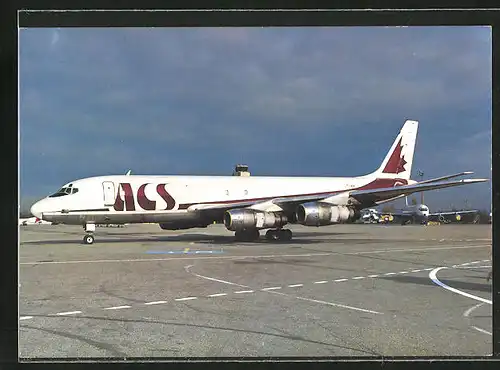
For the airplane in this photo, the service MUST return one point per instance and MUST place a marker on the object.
(32, 221)
(244, 204)
(420, 213)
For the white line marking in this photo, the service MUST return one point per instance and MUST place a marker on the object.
(428, 269)
(486, 261)
(321, 282)
(186, 298)
(212, 279)
(473, 267)
(155, 302)
(403, 272)
(25, 317)
(68, 313)
(469, 311)
(390, 273)
(482, 330)
(339, 280)
(476, 262)
(295, 285)
(257, 256)
(358, 277)
(244, 291)
(217, 295)
(373, 276)
(336, 305)
(416, 270)
(117, 307)
(271, 288)
(302, 298)
(433, 277)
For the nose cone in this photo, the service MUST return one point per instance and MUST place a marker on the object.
(36, 209)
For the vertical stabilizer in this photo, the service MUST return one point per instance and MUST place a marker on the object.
(399, 159)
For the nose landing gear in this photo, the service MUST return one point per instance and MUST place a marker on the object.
(89, 237)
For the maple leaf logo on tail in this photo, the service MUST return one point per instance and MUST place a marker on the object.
(398, 160)
(396, 163)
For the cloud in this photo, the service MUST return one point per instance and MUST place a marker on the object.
(197, 100)
(55, 38)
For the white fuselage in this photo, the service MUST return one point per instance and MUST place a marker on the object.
(419, 210)
(137, 198)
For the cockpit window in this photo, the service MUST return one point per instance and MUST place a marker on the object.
(423, 209)
(64, 191)
(59, 193)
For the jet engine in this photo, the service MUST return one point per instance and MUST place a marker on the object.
(241, 219)
(320, 214)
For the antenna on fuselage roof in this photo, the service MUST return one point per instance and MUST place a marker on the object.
(128, 173)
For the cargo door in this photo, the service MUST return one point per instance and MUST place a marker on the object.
(109, 193)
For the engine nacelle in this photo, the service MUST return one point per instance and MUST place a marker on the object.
(181, 225)
(241, 219)
(321, 214)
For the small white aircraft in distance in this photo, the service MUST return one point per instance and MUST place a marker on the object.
(32, 221)
(420, 213)
(244, 204)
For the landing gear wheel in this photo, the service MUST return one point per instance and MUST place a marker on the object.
(272, 235)
(247, 235)
(282, 234)
(88, 239)
(285, 235)
(254, 234)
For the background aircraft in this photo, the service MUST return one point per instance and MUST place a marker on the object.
(245, 204)
(32, 221)
(420, 213)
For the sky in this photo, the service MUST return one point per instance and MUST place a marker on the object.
(287, 101)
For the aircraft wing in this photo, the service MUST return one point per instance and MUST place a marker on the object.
(280, 201)
(369, 197)
(452, 213)
(366, 198)
(219, 206)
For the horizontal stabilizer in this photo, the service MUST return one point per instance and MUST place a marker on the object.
(447, 177)
(372, 196)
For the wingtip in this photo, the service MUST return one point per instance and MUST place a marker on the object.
(475, 180)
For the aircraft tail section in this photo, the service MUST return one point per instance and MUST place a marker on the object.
(398, 161)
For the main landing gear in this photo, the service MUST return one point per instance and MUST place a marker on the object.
(248, 235)
(251, 235)
(279, 234)
(89, 237)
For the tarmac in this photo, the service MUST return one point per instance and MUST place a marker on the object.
(344, 290)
